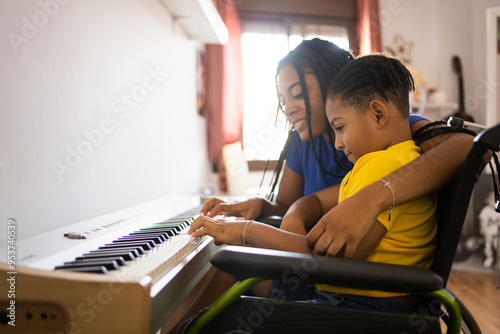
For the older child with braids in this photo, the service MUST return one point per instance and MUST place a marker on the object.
(367, 107)
(302, 78)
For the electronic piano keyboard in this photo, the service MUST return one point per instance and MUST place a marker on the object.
(125, 272)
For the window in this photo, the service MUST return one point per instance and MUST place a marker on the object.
(263, 44)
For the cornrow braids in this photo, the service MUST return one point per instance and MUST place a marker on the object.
(323, 59)
(358, 83)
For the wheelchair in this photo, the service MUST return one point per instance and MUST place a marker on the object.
(235, 313)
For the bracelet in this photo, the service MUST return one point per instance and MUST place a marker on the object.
(388, 185)
(244, 230)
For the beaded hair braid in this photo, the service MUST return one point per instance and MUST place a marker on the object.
(323, 59)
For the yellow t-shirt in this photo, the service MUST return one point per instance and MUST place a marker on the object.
(411, 234)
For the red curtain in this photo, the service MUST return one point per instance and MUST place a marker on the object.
(369, 30)
(224, 104)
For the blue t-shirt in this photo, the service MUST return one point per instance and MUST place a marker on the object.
(300, 158)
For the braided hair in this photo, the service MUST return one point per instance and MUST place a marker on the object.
(323, 59)
(362, 80)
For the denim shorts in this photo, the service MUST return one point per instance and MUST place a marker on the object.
(309, 294)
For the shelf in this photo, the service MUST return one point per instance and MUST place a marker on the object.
(435, 110)
(438, 105)
(200, 19)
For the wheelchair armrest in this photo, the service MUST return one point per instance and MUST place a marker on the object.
(270, 220)
(249, 262)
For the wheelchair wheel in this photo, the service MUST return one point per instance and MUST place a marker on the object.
(469, 323)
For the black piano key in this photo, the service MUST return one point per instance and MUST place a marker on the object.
(145, 238)
(95, 269)
(110, 265)
(160, 235)
(120, 257)
(177, 225)
(167, 225)
(139, 250)
(156, 239)
(119, 260)
(177, 229)
(126, 253)
(143, 245)
(146, 243)
(140, 234)
(160, 229)
(172, 223)
(168, 234)
(183, 215)
(139, 242)
(178, 218)
(181, 218)
(115, 247)
(183, 224)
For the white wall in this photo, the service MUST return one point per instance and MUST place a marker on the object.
(113, 81)
(480, 86)
(439, 30)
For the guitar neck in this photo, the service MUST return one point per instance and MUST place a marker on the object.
(461, 103)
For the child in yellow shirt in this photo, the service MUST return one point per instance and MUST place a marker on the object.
(368, 108)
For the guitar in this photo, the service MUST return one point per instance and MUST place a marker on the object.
(460, 113)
